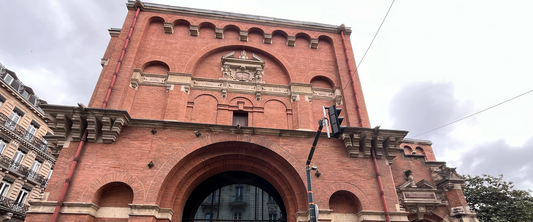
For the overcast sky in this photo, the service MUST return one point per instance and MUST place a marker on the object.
(432, 63)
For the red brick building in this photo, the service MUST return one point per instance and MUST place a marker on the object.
(191, 102)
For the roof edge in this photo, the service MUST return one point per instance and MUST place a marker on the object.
(263, 20)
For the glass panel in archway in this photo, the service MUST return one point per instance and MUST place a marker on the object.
(239, 202)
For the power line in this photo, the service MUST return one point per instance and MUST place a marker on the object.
(362, 58)
(473, 114)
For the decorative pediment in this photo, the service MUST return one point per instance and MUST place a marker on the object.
(242, 68)
(425, 184)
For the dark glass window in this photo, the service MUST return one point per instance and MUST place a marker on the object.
(240, 118)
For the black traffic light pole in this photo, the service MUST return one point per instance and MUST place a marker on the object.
(335, 120)
(312, 213)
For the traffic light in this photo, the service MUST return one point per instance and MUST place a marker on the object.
(335, 120)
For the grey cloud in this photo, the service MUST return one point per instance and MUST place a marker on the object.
(421, 106)
(496, 158)
(67, 38)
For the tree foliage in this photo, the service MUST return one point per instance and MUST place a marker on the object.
(495, 199)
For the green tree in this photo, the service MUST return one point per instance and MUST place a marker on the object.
(497, 200)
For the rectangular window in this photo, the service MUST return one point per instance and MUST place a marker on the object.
(2, 100)
(30, 132)
(22, 197)
(237, 217)
(8, 78)
(272, 217)
(17, 160)
(238, 194)
(4, 188)
(207, 217)
(34, 169)
(240, 118)
(13, 120)
(3, 145)
(25, 94)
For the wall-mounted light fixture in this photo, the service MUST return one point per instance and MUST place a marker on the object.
(197, 133)
(317, 174)
(151, 164)
(154, 131)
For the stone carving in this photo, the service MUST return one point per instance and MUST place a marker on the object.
(408, 175)
(444, 173)
(224, 93)
(242, 68)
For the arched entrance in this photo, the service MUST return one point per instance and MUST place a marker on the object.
(271, 168)
(234, 196)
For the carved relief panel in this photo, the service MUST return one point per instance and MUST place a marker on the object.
(242, 68)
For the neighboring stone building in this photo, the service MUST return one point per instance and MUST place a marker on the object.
(203, 115)
(26, 162)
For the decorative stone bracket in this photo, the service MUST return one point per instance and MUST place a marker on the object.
(358, 142)
(102, 124)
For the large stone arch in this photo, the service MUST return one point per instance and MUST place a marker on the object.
(194, 162)
(213, 48)
(136, 185)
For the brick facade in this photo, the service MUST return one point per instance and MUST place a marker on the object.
(169, 126)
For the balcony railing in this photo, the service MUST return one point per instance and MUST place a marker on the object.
(7, 163)
(15, 166)
(23, 133)
(12, 205)
(32, 174)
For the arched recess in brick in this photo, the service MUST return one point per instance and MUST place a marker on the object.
(156, 67)
(274, 58)
(322, 82)
(344, 201)
(407, 150)
(255, 35)
(420, 151)
(322, 76)
(302, 40)
(181, 27)
(327, 192)
(131, 181)
(204, 109)
(207, 30)
(144, 61)
(275, 114)
(223, 153)
(114, 194)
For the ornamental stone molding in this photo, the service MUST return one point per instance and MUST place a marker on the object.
(359, 141)
(420, 198)
(245, 77)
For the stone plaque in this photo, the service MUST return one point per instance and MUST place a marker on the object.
(412, 195)
(275, 89)
(154, 79)
(207, 84)
(245, 87)
(323, 94)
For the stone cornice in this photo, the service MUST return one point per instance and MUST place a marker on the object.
(255, 19)
(72, 120)
(358, 142)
